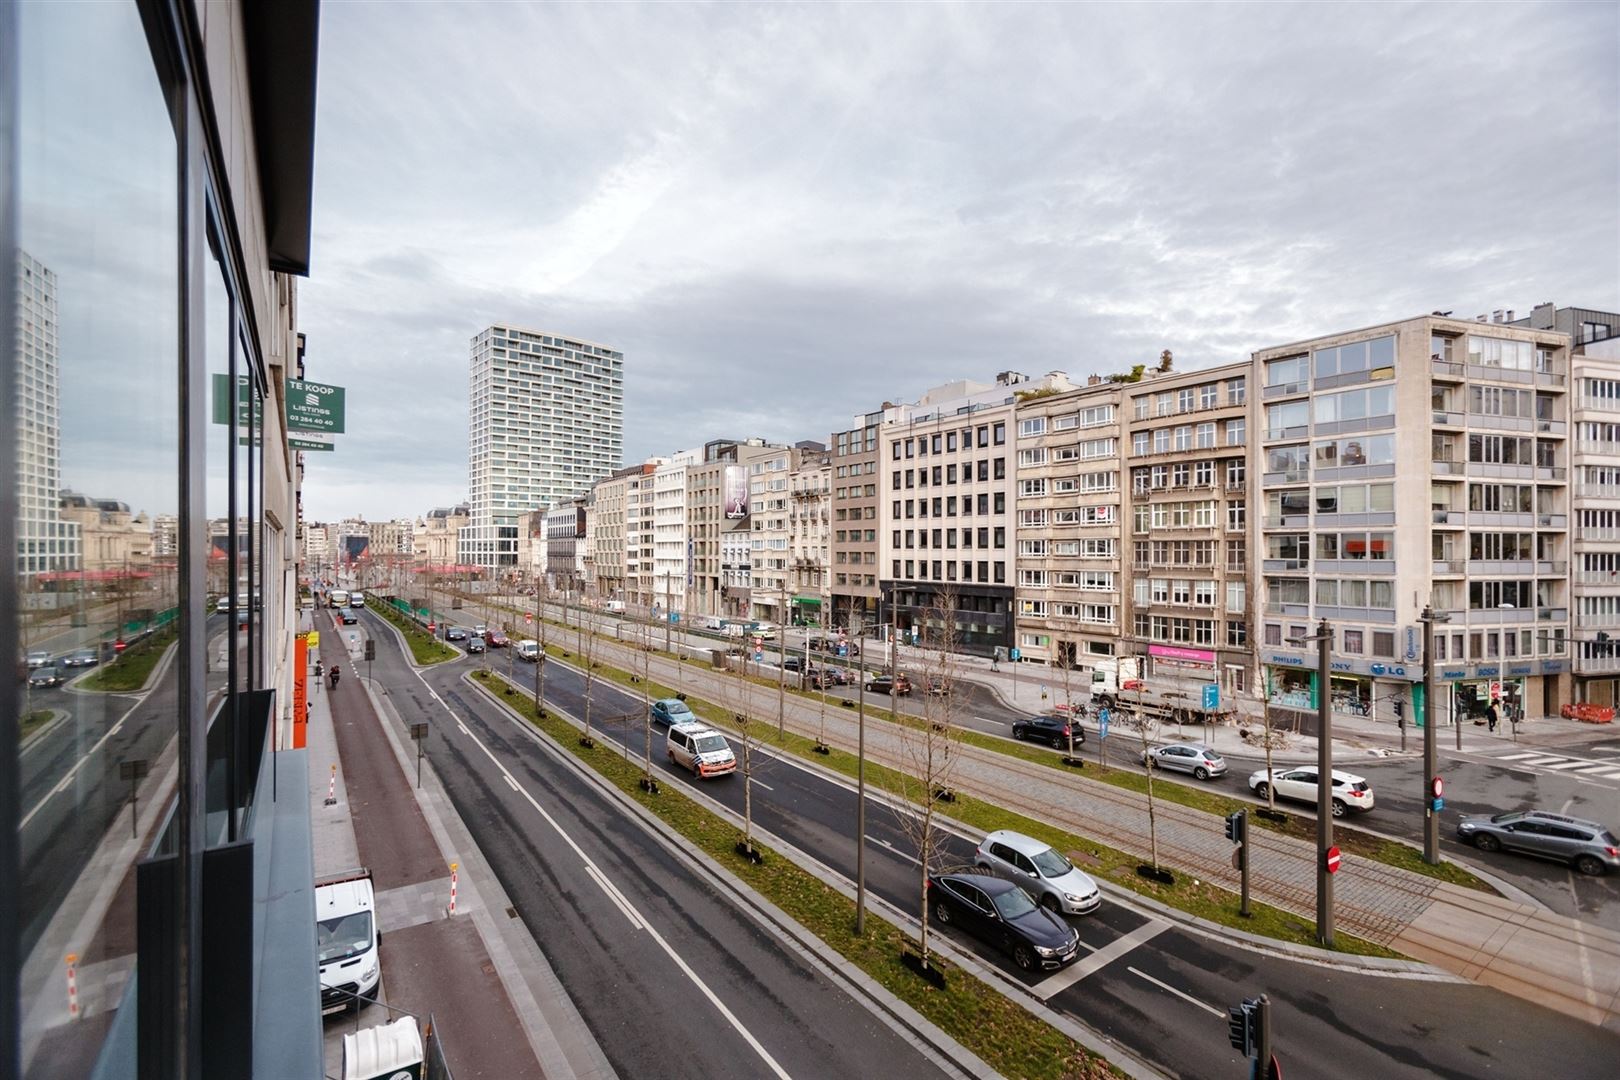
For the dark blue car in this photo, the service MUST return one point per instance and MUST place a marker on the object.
(1002, 914)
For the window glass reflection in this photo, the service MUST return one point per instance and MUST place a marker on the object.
(98, 433)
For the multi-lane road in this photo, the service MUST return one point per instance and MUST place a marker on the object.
(1153, 986)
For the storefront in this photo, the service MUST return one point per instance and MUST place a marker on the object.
(1291, 687)
(1351, 694)
(1471, 698)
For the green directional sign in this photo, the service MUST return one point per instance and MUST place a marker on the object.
(314, 406)
(222, 401)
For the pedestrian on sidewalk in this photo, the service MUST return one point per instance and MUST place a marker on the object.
(1493, 716)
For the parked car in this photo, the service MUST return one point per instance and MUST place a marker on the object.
(793, 663)
(475, 644)
(1003, 914)
(1349, 792)
(1050, 729)
(42, 677)
(38, 658)
(455, 633)
(81, 658)
(1038, 868)
(837, 676)
(939, 686)
(672, 711)
(1585, 845)
(495, 639)
(1193, 758)
(701, 749)
(899, 686)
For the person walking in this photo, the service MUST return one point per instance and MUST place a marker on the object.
(1494, 716)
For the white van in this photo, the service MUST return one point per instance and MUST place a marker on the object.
(613, 605)
(347, 940)
(700, 748)
(528, 649)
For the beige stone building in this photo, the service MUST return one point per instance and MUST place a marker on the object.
(809, 535)
(857, 492)
(110, 537)
(435, 543)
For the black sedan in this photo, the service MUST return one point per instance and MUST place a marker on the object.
(81, 658)
(882, 684)
(1001, 913)
(1053, 730)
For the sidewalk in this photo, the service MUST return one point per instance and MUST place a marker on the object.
(1468, 933)
(432, 964)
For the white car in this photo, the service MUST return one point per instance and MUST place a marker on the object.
(1350, 792)
(1046, 875)
(700, 748)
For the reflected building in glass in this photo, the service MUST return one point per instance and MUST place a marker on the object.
(45, 542)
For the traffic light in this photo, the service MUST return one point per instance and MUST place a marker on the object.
(1237, 826)
(1240, 1027)
(371, 648)
(1400, 708)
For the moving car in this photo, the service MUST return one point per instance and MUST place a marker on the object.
(1039, 870)
(349, 618)
(38, 657)
(1349, 792)
(1003, 914)
(480, 630)
(495, 639)
(1194, 758)
(1049, 729)
(881, 684)
(1585, 845)
(672, 711)
(529, 649)
(793, 663)
(346, 940)
(701, 749)
(475, 644)
(42, 677)
(939, 686)
(81, 658)
(455, 633)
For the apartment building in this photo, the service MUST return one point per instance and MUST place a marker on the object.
(706, 520)
(771, 525)
(1069, 609)
(857, 493)
(564, 558)
(1595, 500)
(809, 536)
(44, 541)
(1187, 450)
(618, 523)
(1423, 461)
(672, 548)
(946, 544)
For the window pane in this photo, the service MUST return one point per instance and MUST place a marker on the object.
(98, 485)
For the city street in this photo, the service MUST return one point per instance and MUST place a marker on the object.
(1156, 988)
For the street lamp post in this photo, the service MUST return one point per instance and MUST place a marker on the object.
(1431, 819)
(1324, 781)
(860, 780)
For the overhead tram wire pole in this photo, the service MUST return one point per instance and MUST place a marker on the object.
(1431, 764)
(1324, 782)
(860, 783)
(781, 662)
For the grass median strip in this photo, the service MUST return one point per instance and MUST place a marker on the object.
(1189, 894)
(425, 648)
(133, 666)
(1004, 1034)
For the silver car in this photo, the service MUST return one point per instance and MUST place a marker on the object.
(1585, 845)
(1194, 758)
(1043, 873)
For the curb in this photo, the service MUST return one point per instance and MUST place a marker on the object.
(916, 1027)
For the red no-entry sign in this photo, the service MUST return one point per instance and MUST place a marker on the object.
(1332, 859)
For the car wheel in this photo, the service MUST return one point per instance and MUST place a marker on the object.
(1018, 733)
(1262, 789)
(697, 770)
(1339, 809)
(1057, 742)
(1200, 773)
(1024, 957)
(1590, 865)
(942, 913)
(1487, 842)
(1050, 903)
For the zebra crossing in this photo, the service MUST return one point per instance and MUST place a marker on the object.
(1560, 764)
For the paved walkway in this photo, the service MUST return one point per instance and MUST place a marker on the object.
(1463, 931)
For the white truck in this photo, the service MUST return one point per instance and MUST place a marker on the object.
(347, 941)
(1110, 677)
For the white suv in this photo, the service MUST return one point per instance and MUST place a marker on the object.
(1047, 876)
(700, 748)
(1350, 792)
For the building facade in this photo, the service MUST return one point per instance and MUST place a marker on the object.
(857, 495)
(672, 540)
(1187, 450)
(1350, 531)
(546, 422)
(809, 534)
(45, 542)
(1595, 503)
(565, 546)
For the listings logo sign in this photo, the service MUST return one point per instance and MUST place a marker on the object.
(314, 407)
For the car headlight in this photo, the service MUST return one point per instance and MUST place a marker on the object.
(1044, 951)
(1073, 898)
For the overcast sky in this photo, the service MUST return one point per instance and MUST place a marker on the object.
(785, 215)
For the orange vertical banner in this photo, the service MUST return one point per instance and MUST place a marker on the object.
(300, 690)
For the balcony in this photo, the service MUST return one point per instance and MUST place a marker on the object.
(1597, 665)
(1449, 566)
(1282, 390)
(1552, 427)
(1449, 518)
(1447, 469)
(1446, 371)
(1284, 565)
(1446, 418)
(1552, 521)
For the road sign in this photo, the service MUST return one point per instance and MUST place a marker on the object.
(1102, 722)
(674, 616)
(1496, 690)
(527, 617)
(1437, 786)
(843, 650)
(1212, 697)
(759, 655)
(432, 626)
(314, 407)
(1014, 654)
(1332, 860)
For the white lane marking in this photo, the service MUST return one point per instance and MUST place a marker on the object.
(1170, 989)
(617, 897)
(463, 728)
(62, 784)
(763, 784)
(890, 847)
(1519, 757)
(1098, 960)
(620, 899)
(1560, 765)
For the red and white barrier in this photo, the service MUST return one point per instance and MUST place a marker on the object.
(73, 986)
(452, 908)
(331, 788)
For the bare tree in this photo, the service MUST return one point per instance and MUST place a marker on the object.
(1066, 666)
(1147, 728)
(587, 651)
(647, 782)
(736, 698)
(928, 761)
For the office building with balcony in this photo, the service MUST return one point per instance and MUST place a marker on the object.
(947, 514)
(857, 493)
(1069, 506)
(809, 537)
(706, 520)
(159, 160)
(1187, 451)
(546, 421)
(1350, 529)
(1595, 500)
(672, 547)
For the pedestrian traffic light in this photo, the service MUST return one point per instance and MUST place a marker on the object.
(1240, 1026)
(1237, 826)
